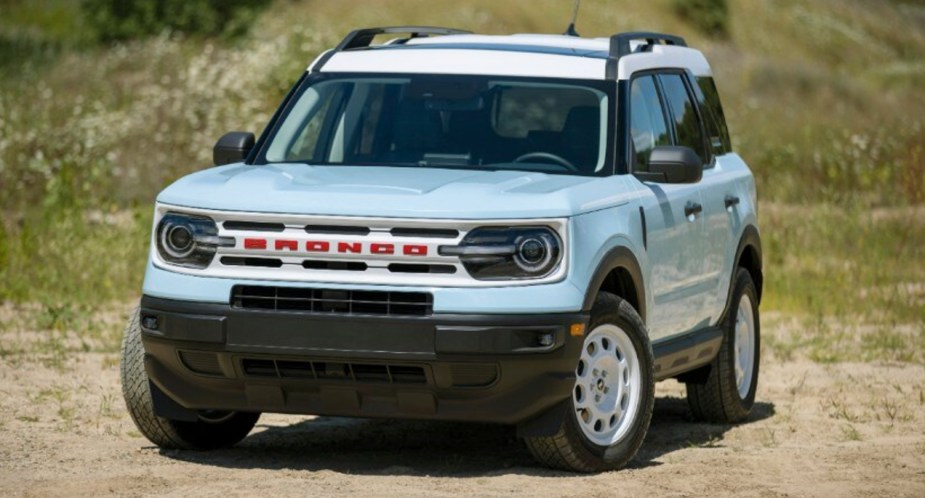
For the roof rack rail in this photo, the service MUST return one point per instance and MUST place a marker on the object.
(620, 46)
(362, 38)
(620, 43)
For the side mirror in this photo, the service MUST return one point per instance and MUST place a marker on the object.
(232, 147)
(671, 164)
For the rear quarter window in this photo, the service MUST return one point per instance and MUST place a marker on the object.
(709, 101)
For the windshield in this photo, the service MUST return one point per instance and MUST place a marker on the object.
(446, 121)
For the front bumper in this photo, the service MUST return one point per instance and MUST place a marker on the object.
(487, 368)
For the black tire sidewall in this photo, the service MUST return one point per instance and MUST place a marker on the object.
(609, 309)
(743, 286)
(172, 434)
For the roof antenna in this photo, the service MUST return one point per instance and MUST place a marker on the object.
(571, 27)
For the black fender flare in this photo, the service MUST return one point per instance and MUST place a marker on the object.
(618, 257)
(749, 239)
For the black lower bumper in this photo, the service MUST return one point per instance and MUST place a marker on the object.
(488, 368)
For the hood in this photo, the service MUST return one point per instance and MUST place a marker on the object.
(404, 192)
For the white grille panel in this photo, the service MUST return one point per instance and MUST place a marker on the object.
(382, 251)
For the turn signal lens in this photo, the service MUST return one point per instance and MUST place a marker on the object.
(577, 330)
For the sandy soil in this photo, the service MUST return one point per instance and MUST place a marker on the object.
(818, 430)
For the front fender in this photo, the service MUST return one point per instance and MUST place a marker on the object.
(604, 241)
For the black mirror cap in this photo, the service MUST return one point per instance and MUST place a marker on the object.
(232, 147)
(673, 164)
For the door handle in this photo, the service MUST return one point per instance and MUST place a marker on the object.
(730, 201)
(692, 208)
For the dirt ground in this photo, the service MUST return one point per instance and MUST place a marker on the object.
(817, 430)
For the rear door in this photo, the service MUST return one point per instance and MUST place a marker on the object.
(722, 216)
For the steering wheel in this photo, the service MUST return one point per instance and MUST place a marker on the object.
(561, 161)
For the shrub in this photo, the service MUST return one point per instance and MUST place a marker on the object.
(710, 16)
(116, 20)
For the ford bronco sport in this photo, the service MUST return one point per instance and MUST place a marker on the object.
(529, 230)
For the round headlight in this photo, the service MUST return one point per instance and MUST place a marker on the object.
(180, 239)
(508, 253)
(177, 240)
(188, 240)
(533, 252)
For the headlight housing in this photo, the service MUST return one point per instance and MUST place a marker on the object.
(189, 241)
(505, 253)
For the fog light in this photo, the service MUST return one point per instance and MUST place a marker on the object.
(149, 322)
(546, 339)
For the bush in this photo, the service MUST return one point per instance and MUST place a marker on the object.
(710, 16)
(116, 20)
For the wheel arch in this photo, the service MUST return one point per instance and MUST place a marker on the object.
(748, 256)
(618, 273)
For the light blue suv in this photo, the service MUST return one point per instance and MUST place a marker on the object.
(526, 229)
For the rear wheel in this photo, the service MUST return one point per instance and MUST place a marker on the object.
(214, 429)
(611, 403)
(727, 393)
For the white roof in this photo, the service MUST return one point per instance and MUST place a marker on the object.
(530, 55)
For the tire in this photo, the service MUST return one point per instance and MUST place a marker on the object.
(725, 395)
(214, 429)
(594, 436)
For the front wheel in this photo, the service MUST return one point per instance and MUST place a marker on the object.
(611, 403)
(727, 393)
(214, 429)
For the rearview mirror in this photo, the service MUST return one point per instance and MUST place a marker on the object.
(672, 164)
(232, 147)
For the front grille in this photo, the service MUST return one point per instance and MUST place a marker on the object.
(334, 371)
(419, 268)
(437, 233)
(246, 261)
(311, 264)
(337, 229)
(253, 226)
(336, 301)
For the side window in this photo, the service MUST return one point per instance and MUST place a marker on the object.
(686, 123)
(709, 100)
(648, 125)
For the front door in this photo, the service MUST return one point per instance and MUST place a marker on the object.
(676, 240)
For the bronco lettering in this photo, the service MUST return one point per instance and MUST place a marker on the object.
(291, 245)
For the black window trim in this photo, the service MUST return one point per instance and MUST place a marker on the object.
(686, 77)
(709, 161)
(630, 145)
(718, 114)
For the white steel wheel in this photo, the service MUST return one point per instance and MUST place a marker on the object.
(604, 422)
(607, 385)
(744, 348)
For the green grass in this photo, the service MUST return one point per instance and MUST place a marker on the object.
(823, 98)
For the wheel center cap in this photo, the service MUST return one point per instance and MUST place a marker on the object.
(600, 384)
